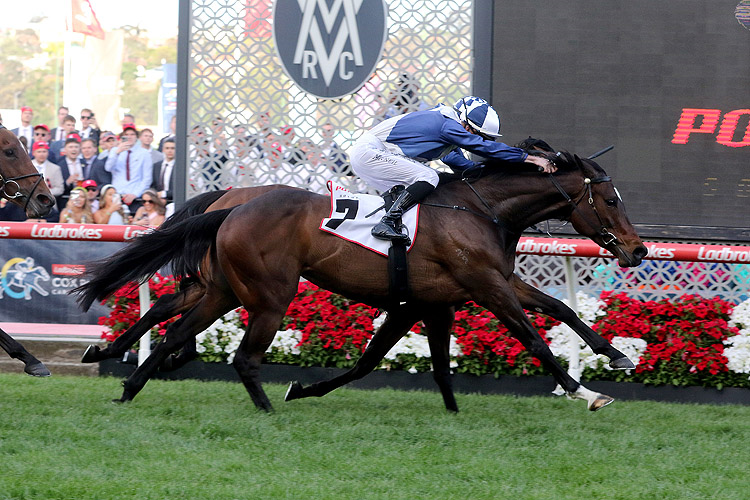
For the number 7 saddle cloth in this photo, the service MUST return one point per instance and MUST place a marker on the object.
(354, 215)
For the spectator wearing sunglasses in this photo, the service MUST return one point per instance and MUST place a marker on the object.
(151, 213)
(88, 126)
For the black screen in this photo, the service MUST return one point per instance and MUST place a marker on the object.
(667, 82)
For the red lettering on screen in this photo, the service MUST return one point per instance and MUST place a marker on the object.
(729, 126)
(686, 123)
(708, 119)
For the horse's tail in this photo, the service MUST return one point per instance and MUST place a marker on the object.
(194, 206)
(182, 245)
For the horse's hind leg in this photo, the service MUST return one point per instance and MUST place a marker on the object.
(439, 322)
(168, 306)
(201, 316)
(15, 350)
(395, 326)
(260, 332)
(535, 300)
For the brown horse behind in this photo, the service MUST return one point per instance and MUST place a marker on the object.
(22, 184)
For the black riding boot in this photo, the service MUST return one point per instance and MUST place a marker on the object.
(387, 228)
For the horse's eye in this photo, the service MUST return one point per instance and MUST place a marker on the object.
(611, 203)
(10, 153)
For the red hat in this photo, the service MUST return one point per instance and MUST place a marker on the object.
(39, 145)
(126, 126)
(74, 136)
(88, 183)
(41, 125)
(26, 108)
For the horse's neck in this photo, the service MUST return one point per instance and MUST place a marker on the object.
(522, 200)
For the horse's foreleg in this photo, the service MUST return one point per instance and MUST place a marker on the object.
(168, 306)
(438, 323)
(534, 300)
(15, 350)
(501, 300)
(395, 326)
(197, 319)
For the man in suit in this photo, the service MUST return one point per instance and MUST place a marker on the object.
(57, 133)
(93, 166)
(88, 129)
(70, 167)
(26, 130)
(69, 128)
(163, 180)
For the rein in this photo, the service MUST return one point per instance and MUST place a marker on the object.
(607, 236)
(5, 183)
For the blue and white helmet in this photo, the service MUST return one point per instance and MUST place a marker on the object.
(479, 115)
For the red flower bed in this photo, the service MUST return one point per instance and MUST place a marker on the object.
(685, 336)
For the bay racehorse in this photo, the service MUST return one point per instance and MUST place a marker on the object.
(22, 184)
(257, 253)
(191, 290)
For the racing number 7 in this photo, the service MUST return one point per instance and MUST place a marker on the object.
(348, 208)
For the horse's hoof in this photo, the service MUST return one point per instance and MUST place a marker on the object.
(600, 402)
(621, 364)
(91, 354)
(37, 370)
(295, 391)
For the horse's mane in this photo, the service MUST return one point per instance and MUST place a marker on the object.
(565, 161)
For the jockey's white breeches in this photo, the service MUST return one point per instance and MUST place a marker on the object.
(383, 169)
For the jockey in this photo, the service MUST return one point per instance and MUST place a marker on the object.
(396, 151)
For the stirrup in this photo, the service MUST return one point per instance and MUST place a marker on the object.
(384, 231)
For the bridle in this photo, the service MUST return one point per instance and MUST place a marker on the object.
(608, 237)
(10, 181)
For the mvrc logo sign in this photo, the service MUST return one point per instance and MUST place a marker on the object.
(329, 47)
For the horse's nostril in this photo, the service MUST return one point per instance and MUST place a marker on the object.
(640, 252)
(45, 200)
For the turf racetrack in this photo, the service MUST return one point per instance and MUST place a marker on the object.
(62, 438)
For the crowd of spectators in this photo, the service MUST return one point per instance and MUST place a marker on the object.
(116, 177)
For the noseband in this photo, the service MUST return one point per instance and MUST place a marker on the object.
(608, 237)
(10, 181)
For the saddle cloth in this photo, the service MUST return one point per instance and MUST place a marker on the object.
(349, 219)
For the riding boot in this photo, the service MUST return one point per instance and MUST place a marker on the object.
(389, 226)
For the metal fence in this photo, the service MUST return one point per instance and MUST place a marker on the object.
(249, 124)
(652, 280)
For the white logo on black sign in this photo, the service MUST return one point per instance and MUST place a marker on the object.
(329, 48)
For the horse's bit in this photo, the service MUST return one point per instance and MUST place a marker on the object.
(6, 183)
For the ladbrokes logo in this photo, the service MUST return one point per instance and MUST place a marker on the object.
(329, 49)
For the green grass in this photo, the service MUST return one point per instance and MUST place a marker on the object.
(62, 438)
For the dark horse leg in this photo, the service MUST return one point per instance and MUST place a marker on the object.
(395, 326)
(439, 323)
(496, 294)
(534, 300)
(163, 309)
(201, 316)
(33, 366)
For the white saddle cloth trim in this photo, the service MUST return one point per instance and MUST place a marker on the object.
(348, 219)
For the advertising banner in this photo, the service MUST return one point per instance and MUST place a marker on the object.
(35, 278)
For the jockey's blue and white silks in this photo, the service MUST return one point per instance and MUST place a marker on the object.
(396, 151)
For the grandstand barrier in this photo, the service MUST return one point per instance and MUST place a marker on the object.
(734, 279)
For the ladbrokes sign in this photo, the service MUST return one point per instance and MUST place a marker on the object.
(329, 48)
